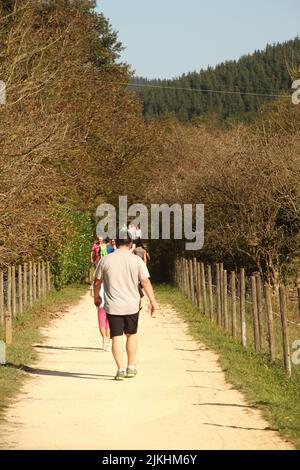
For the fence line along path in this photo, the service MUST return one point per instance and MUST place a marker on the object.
(261, 317)
(20, 287)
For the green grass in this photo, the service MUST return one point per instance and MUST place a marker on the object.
(266, 387)
(26, 332)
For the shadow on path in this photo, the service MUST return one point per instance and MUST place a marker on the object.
(237, 405)
(67, 348)
(210, 388)
(207, 371)
(239, 427)
(188, 350)
(58, 373)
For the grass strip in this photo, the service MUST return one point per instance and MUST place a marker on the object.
(266, 387)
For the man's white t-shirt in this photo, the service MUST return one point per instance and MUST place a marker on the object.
(121, 273)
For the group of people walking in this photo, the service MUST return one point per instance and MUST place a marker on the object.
(102, 248)
(121, 278)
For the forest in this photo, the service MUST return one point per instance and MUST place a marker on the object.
(73, 135)
(230, 92)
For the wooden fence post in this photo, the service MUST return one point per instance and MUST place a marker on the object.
(298, 293)
(187, 280)
(13, 292)
(182, 275)
(225, 302)
(195, 280)
(25, 286)
(1, 298)
(243, 307)
(233, 301)
(203, 280)
(270, 319)
(39, 279)
(20, 289)
(260, 311)
(44, 285)
(30, 284)
(221, 267)
(197, 293)
(192, 280)
(34, 282)
(181, 279)
(285, 341)
(210, 292)
(8, 315)
(218, 281)
(255, 314)
(200, 287)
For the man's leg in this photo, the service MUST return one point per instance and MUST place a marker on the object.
(131, 348)
(117, 350)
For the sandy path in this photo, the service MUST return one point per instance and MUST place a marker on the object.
(179, 400)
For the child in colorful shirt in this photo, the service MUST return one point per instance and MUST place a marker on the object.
(102, 321)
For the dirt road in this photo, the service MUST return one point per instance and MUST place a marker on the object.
(179, 400)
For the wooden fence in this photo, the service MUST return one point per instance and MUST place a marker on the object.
(251, 311)
(20, 287)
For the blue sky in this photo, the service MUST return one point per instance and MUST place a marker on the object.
(165, 38)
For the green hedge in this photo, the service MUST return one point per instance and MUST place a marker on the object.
(72, 257)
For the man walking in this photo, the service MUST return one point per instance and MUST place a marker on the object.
(121, 273)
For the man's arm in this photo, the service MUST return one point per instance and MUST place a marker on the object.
(97, 287)
(147, 286)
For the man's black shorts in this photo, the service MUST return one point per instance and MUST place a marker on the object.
(120, 324)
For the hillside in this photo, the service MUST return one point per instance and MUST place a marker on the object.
(257, 77)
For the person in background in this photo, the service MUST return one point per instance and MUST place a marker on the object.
(138, 233)
(103, 249)
(109, 246)
(141, 251)
(102, 321)
(132, 232)
(95, 252)
(147, 254)
(113, 243)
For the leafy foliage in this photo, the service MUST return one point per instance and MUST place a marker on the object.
(72, 257)
(71, 134)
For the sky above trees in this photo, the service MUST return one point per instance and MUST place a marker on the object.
(164, 39)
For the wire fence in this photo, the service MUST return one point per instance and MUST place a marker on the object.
(20, 287)
(260, 316)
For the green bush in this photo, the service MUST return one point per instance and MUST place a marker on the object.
(72, 257)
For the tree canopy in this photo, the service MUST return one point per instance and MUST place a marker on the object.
(268, 72)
